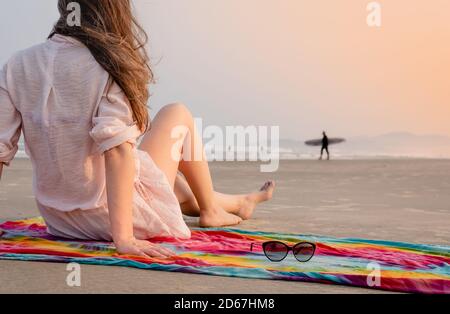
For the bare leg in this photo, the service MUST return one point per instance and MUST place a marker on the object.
(242, 205)
(166, 152)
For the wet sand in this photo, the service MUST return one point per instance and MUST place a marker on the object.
(402, 200)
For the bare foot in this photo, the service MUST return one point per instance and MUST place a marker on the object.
(218, 218)
(251, 200)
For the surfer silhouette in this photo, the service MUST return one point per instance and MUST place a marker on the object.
(325, 142)
(324, 146)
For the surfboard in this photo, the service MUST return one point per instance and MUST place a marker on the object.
(318, 142)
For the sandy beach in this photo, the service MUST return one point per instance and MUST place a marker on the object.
(402, 200)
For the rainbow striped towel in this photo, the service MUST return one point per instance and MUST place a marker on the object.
(226, 252)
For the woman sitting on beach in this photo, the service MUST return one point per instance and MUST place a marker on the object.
(80, 99)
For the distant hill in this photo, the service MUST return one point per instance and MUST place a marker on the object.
(396, 144)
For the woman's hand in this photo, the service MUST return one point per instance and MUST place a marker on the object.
(142, 248)
(120, 171)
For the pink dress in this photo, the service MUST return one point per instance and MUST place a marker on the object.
(59, 97)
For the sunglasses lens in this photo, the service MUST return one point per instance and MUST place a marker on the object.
(303, 252)
(275, 251)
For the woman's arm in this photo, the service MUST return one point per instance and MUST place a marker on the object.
(120, 172)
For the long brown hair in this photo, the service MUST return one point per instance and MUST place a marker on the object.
(116, 40)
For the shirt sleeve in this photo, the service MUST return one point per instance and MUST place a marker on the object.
(10, 122)
(113, 122)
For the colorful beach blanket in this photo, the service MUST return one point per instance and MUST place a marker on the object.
(375, 264)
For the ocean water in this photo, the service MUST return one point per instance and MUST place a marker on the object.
(21, 152)
(300, 152)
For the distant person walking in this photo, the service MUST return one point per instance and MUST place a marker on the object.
(324, 146)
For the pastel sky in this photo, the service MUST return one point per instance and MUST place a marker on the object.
(303, 65)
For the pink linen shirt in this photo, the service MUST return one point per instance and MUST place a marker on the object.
(70, 113)
(56, 94)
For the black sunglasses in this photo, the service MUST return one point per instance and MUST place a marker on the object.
(277, 251)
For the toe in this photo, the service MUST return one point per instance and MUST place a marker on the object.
(268, 185)
(265, 186)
